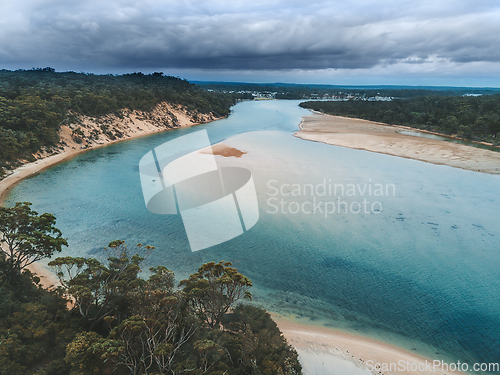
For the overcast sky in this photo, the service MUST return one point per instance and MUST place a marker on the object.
(436, 42)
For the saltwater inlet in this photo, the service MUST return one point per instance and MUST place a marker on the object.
(396, 249)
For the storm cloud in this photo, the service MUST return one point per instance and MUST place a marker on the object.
(248, 35)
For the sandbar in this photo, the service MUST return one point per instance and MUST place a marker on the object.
(389, 139)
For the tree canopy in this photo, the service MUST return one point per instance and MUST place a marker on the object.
(35, 103)
(107, 319)
(27, 237)
(214, 289)
(131, 325)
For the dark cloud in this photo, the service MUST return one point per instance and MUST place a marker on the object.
(247, 35)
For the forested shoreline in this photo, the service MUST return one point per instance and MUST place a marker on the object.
(107, 319)
(35, 103)
(474, 118)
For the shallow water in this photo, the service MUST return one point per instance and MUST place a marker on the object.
(417, 267)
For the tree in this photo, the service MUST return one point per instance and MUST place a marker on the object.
(83, 354)
(150, 340)
(34, 326)
(260, 344)
(26, 237)
(450, 124)
(214, 289)
(99, 290)
(209, 353)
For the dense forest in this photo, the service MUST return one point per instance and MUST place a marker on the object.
(106, 319)
(304, 91)
(34, 103)
(471, 117)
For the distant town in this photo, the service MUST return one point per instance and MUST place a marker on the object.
(256, 91)
(263, 95)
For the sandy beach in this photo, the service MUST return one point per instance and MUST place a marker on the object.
(327, 351)
(386, 139)
(322, 351)
(134, 124)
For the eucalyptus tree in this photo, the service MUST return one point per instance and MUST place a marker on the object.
(27, 237)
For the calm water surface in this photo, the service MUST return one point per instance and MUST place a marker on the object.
(419, 266)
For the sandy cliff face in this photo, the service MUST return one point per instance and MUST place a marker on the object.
(87, 132)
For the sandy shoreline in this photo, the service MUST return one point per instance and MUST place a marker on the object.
(47, 278)
(134, 125)
(335, 347)
(31, 169)
(321, 349)
(386, 139)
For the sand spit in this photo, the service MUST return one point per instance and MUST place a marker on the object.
(386, 139)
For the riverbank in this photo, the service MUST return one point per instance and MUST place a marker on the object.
(387, 139)
(325, 351)
(308, 355)
(89, 133)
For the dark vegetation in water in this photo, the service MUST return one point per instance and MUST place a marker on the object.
(34, 103)
(107, 319)
(471, 117)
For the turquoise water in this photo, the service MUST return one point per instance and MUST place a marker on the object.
(419, 268)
